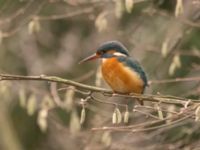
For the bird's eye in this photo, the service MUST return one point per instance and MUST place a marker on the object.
(102, 52)
(98, 53)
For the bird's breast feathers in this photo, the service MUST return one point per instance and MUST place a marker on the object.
(121, 78)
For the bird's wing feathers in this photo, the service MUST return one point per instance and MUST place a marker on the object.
(133, 64)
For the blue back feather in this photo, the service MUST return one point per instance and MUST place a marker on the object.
(135, 66)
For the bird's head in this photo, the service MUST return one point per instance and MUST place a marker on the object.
(108, 50)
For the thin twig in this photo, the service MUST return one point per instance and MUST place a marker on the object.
(152, 108)
(162, 126)
(107, 102)
(54, 93)
(146, 114)
(178, 52)
(16, 14)
(147, 126)
(67, 15)
(174, 80)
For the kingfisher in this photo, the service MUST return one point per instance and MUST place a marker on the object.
(121, 72)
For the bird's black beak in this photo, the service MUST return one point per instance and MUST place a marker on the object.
(92, 57)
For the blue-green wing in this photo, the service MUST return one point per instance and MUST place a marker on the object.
(133, 64)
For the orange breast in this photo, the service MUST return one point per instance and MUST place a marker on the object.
(120, 78)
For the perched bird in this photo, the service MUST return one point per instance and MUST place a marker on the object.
(122, 73)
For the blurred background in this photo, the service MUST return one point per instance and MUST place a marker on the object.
(50, 37)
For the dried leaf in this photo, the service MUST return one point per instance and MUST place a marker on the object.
(31, 105)
(42, 119)
(83, 114)
(74, 122)
(179, 8)
(101, 22)
(106, 138)
(22, 98)
(129, 5)
(34, 26)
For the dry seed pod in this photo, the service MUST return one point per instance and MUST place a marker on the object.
(98, 77)
(170, 109)
(160, 113)
(34, 26)
(1, 37)
(177, 61)
(126, 117)
(172, 68)
(83, 114)
(4, 87)
(74, 122)
(179, 8)
(106, 138)
(164, 49)
(101, 22)
(119, 8)
(129, 5)
(197, 114)
(119, 115)
(114, 118)
(31, 105)
(42, 119)
(22, 98)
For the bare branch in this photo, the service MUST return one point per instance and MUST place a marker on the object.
(106, 92)
(67, 15)
(174, 80)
